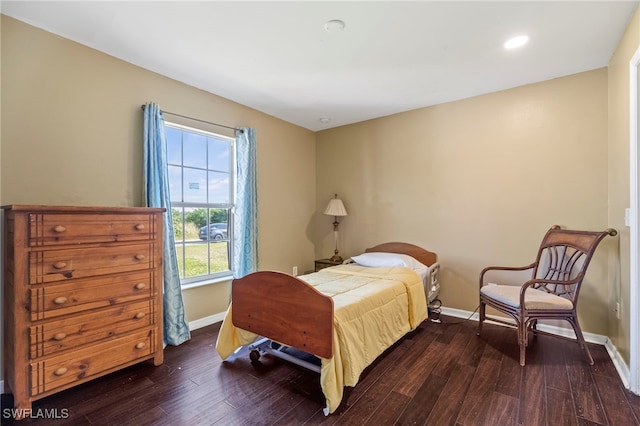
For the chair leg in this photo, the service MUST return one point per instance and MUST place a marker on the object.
(522, 340)
(481, 316)
(583, 344)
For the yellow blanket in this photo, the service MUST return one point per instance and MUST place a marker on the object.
(373, 308)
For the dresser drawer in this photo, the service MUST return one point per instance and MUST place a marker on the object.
(59, 335)
(63, 369)
(54, 300)
(50, 229)
(60, 265)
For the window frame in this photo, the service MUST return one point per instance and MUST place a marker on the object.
(188, 282)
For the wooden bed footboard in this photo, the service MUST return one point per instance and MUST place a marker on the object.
(285, 309)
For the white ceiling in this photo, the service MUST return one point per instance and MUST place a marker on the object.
(392, 56)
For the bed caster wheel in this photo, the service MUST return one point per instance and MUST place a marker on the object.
(434, 310)
(254, 355)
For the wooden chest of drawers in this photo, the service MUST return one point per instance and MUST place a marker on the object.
(82, 295)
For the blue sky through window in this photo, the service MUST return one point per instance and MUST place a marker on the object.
(199, 167)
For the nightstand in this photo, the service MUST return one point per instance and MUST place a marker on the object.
(325, 263)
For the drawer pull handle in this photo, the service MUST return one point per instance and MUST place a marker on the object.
(59, 336)
(60, 371)
(139, 227)
(140, 256)
(140, 345)
(59, 265)
(59, 229)
(59, 300)
(140, 286)
(140, 315)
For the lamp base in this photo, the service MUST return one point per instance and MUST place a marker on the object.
(336, 258)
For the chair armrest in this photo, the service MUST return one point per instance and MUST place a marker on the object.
(504, 269)
(534, 281)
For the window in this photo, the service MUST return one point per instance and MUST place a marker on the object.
(201, 183)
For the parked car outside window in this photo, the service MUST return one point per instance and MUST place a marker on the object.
(217, 232)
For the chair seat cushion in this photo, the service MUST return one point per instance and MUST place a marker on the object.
(533, 299)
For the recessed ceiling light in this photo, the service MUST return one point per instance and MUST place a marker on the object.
(515, 42)
(334, 26)
(324, 120)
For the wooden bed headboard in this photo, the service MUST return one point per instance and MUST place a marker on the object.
(421, 255)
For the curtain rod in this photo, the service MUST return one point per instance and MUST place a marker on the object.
(197, 119)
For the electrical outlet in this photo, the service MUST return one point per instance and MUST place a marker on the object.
(295, 271)
(618, 310)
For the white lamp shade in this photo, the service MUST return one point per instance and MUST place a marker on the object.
(335, 208)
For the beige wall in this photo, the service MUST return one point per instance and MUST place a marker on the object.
(478, 181)
(73, 136)
(618, 155)
(465, 179)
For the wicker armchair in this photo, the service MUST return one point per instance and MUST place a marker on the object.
(552, 290)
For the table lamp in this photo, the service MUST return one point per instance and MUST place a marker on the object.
(335, 208)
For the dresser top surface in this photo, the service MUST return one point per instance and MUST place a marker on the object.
(80, 209)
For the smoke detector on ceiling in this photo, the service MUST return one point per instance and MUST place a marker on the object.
(334, 26)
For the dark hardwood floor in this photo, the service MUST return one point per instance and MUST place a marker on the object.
(441, 374)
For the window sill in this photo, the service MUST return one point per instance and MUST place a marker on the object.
(207, 282)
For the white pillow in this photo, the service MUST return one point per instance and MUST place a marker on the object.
(382, 260)
(378, 260)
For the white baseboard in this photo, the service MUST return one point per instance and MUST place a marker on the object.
(203, 322)
(566, 332)
(621, 367)
(618, 361)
